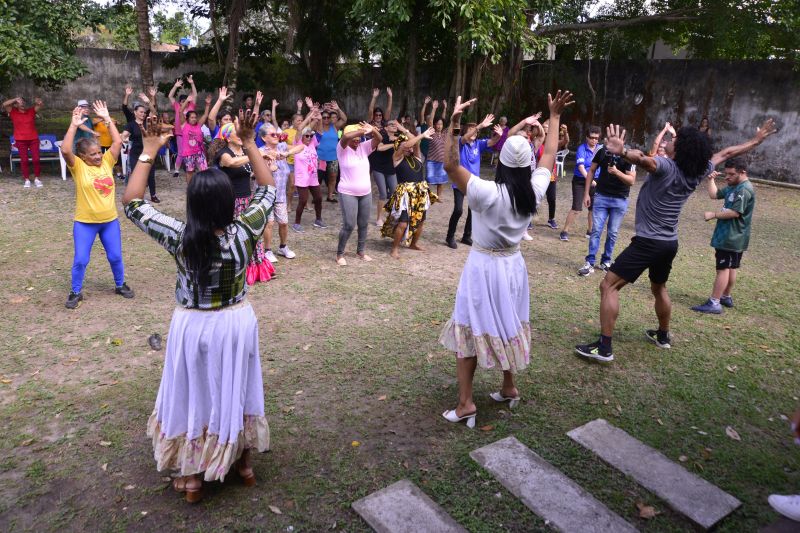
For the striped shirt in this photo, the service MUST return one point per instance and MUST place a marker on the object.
(227, 284)
(436, 147)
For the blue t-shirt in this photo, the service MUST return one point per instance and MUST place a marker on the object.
(326, 151)
(80, 134)
(259, 142)
(471, 155)
(584, 157)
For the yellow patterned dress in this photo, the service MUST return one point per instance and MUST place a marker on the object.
(410, 201)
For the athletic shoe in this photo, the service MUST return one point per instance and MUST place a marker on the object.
(38, 183)
(270, 256)
(124, 291)
(605, 265)
(74, 300)
(466, 239)
(552, 224)
(27, 184)
(298, 228)
(530, 225)
(588, 235)
(451, 242)
(708, 307)
(286, 252)
(527, 236)
(564, 236)
(726, 301)
(594, 351)
(586, 269)
(175, 174)
(788, 506)
(320, 224)
(663, 342)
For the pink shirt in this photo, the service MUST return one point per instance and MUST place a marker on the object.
(180, 118)
(354, 168)
(191, 139)
(305, 163)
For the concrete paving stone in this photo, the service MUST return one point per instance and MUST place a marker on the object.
(403, 508)
(546, 491)
(702, 502)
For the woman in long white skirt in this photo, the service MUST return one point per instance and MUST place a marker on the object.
(490, 325)
(209, 412)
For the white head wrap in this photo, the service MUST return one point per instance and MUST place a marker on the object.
(516, 152)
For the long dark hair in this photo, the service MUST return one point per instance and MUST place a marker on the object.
(692, 152)
(517, 182)
(209, 207)
(214, 149)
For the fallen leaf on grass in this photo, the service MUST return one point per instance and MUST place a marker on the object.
(306, 347)
(381, 398)
(370, 346)
(104, 467)
(683, 458)
(129, 487)
(731, 386)
(731, 368)
(26, 442)
(288, 409)
(6, 381)
(105, 443)
(729, 431)
(35, 373)
(272, 371)
(355, 444)
(144, 513)
(116, 342)
(289, 504)
(487, 428)
(706, 453)
(646, 511)
(298, 393)
(660, 423)
(17, 300)
(435, 322)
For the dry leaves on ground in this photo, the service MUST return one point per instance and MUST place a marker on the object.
(732, 433)
(646, 511)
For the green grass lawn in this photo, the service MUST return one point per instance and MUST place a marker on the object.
(350, 355)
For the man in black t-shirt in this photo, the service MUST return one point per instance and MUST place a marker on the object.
(610, 204)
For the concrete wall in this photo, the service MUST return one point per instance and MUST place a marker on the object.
(641, 95)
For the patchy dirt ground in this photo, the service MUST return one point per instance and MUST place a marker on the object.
(355, 380)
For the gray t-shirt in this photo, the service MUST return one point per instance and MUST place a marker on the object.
(661, 199)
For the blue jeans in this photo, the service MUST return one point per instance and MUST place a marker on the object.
(605, 208)
(84, 235)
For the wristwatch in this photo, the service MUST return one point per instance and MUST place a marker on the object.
(144, 158)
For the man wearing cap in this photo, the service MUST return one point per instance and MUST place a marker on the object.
(85, 130)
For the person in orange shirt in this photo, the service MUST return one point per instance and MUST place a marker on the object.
(95, 209)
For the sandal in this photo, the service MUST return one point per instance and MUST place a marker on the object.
(513, 401)
(246, 473)
(192, 495)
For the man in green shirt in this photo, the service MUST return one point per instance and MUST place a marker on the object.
(732, 233)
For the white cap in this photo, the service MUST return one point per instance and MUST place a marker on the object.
(516, 152)
(83, 103)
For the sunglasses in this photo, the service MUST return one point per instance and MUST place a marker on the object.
(594, 138)
(308, 136)
(326, 117)
(274, 135)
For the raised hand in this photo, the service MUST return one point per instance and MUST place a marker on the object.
(366, 129)
(259, 97)
(460, 106)
(444, 104)
(246, 125)
(178, 83)
(766, 129)
(223, 93)
(435, 104)
(143, 98)
(77, 117)
(208, 99)
(615, 139)
(152, 91)
(101, 110)
(375, 92)
(498, 130)
(190, 79)
(389, 91)
(334, 105)
(275, 103)
(712, 175)
(299, 104)
(561, 101)
(37, 101)
(427, 99)
(128, 89)
(309, 102)
(487, 121)
(428, 133)
(155, 134)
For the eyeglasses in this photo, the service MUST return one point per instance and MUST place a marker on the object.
(594, 138)
(274, 135)
(308, 136)
(326, 117)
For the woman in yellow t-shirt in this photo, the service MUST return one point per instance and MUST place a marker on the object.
(95, 209)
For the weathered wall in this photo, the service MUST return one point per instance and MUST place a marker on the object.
(736, 96)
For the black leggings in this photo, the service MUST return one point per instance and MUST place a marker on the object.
(551, 200)
(458, 209)
(151, 178)
(316, 196)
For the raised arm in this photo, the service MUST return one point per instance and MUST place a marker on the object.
(342, 116)
(766, 129)
(37, 104)
(452, 157)
(257, 103)
(350, 135)
(711, 185)
(193, 94)
(125, 109)
(563, 142)
(69, 137)
(615, 144)
(432, 115)
(155, 135)
(171, 95)
(556, 105)
(246, 130)
(422, 118)
(275, 114)
(388, 111)
(8, 104)
(657, 141)
(373, 100)
(153, 93)
(412, 142)
(101, 110)
(202, 119)
(212, 115)
(528, 121)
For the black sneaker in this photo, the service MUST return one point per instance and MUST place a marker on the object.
(74, 300)
(124, 291)
(154, 199)
(154, 341)
(451, 242)
(662, 341)
(726, 301)
(466, 239)
(594, 351)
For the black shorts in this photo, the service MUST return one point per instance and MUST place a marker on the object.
(404, 216)
(646, 254)
(578, 188)
(727, 259)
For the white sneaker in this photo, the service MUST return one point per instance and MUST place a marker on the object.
(27, 184)
(586, 269)
(286, 252)
(527, 237)
(788, 506)
(270, 256)
(37, 183)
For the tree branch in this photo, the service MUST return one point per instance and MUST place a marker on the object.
(593, 25)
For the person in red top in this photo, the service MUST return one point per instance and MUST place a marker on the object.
(25, 135)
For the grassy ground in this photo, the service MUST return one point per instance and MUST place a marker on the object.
(350, 355)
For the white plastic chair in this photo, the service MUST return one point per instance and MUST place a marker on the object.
(62, 161)
(560, 157)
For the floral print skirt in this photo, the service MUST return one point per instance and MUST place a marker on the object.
(259, 268)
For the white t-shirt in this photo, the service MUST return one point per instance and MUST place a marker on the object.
(494, 223)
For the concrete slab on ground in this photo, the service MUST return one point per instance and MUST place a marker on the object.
(545, 490)
(403, 508)
(703, 503)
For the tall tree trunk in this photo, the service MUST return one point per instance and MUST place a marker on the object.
(235, 14)
(143, 27)
(411, 75)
